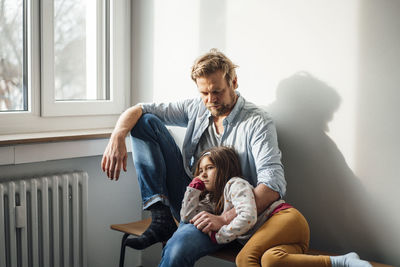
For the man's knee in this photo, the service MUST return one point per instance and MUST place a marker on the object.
(148, 118)
(145, 123)
(185, 247)
(176, 253)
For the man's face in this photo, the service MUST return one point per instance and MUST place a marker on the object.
(218, 97)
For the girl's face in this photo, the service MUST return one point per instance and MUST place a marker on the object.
(207, 173)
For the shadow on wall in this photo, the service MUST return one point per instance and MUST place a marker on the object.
(320, 183)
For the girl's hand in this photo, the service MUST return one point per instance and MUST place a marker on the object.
(197, 183)
(207, 222)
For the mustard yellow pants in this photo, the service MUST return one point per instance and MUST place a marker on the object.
(281, 241)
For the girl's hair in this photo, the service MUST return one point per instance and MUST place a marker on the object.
(227, 163)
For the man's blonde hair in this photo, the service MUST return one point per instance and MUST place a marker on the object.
(212, 62)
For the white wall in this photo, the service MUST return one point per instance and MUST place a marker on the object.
(328, 72)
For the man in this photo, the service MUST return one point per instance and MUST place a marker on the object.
(220, 116)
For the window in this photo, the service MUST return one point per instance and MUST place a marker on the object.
(64, 64)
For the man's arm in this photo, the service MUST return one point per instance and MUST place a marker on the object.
(264, 197)
(115, 154)
(271, 183)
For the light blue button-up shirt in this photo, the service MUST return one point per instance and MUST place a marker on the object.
(248, 128)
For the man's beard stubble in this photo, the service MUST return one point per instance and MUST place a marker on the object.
(222, 110)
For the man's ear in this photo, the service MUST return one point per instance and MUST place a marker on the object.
(235, 83)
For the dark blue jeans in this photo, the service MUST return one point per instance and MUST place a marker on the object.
(186, 246)
(159, 164)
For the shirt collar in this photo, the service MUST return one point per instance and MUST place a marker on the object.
(236, 109)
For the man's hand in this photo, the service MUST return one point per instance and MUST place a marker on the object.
(114, 157)
(207, 222)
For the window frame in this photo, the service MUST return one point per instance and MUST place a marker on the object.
(69, 115)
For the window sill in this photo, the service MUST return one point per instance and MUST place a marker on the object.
(37, 147)
(46, 137)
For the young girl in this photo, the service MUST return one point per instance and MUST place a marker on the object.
(280, 233)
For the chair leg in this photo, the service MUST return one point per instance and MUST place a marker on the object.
(122, 255)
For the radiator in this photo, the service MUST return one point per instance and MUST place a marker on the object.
(43, 221)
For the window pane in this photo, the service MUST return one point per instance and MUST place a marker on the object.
(12, 94)
(78, 50)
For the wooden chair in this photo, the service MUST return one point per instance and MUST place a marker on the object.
(227, 253)
(133, 228)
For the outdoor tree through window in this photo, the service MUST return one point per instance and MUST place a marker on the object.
(13, 91)
(78, 48)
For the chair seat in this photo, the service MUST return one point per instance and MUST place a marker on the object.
(133, 228)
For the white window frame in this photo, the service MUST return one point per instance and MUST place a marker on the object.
(51, 107)
(69, 115)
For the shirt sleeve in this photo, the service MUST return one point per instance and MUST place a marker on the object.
(174, 113)
(267, 156)
(191, 204)
(239, 193)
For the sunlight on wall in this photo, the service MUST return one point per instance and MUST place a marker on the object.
(281, 38)
(176, 42)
